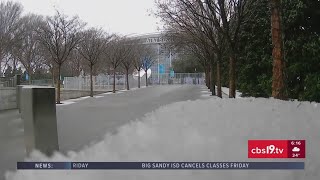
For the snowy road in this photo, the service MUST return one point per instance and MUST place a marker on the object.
(83, 122)
(90, 119)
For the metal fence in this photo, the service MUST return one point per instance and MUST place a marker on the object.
(7, 82)
(42, 82)
(178, 78)
(101, 82)
(105, 82)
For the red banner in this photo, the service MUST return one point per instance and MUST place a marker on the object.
(276, 149)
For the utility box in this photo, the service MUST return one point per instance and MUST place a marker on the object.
(38, 112)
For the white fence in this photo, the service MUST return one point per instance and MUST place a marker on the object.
(105, 82)
(178, 78)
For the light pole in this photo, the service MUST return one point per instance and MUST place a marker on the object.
(170, 58)
(159, 63)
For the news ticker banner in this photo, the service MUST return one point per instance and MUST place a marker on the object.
(160, 165)
(277, 149)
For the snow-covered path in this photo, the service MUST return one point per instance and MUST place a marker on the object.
(210, 130)
(85, 120)
(81, 123)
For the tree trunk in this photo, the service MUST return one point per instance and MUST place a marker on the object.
(139, 79)
(232, 76)
(91, 81)
(53, 79)
(278, 88)
(219, 91)
(1, 63)
(58, 88)
(127, 78)
(114, 81)
(208, 75)
(14, 70)
(212, 83)
(146, 78)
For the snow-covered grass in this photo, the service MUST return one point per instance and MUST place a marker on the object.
(203, 130)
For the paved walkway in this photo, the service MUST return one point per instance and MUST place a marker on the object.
(81, 122)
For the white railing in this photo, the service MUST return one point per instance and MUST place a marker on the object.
(105, 82)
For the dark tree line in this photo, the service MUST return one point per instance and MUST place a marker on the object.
(265, 48)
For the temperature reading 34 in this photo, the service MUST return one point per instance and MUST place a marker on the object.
(297, 149)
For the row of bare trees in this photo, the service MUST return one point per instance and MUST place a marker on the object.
(210, 30)
(57, 41)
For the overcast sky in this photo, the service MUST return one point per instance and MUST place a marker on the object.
(120, 16)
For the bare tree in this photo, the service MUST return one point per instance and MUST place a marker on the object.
(228, 16)
(212, 19)
(192, 32)
(76, 63)
(91, 49)
(129, 59)
(137, 57)
(115, 55)
(10, 13)
(148, 56)
(278, 87)
(60, 35)
(27, 51)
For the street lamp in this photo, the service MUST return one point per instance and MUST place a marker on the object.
(159, 63)
(170, 58)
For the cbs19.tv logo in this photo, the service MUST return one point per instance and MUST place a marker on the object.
(276, 148)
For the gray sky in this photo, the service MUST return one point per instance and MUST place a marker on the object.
(120, 16)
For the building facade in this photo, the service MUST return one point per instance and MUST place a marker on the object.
(164, 54)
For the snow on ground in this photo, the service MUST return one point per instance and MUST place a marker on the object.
(72, 101)
(225, 90)
(203, 130)
(97, 97)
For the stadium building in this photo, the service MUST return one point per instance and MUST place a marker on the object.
(164, 54)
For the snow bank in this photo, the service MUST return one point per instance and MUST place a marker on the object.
(202, 130)
(225, 90)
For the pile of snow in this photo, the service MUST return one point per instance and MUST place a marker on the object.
(203, 130)
(225, 90)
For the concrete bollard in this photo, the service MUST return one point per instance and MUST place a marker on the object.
(17, 80)
(38, 111)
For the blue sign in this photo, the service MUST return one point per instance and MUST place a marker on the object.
(172, 73)
(162, 69)
(27, 77)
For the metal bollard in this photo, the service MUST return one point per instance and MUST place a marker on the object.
(38, 111)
